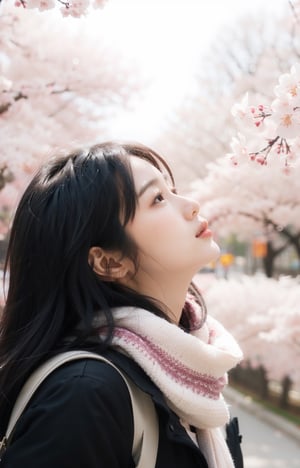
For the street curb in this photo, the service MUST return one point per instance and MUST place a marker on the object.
(232, 396)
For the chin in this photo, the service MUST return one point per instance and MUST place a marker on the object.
(212, 254)
(216, 250)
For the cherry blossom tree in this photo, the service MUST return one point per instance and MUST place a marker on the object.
(247, 58)
(268, 195)
(61, 81)
(255, 189)
(75, 8)
(249, 199)
(263, 315)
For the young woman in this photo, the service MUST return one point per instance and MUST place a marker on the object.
(101, 256)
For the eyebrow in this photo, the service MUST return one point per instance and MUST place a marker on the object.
(147, 185)
(154, 181)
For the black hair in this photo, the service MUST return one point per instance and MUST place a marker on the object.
(72, 204)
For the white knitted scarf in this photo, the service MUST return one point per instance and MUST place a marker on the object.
(189, 368)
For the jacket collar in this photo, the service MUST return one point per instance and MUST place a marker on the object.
(138, 376)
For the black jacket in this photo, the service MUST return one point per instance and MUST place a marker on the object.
(81, 416)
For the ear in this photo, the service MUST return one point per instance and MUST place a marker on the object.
(109, 265)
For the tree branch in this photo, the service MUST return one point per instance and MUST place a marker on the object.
(4, 107)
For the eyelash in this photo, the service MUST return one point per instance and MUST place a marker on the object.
(158, 198)
(161, 197)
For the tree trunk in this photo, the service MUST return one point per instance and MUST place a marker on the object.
(263, 383)
(286, 385)
(294, 239)
(269, 260)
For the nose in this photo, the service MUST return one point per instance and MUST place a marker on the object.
(191, 209)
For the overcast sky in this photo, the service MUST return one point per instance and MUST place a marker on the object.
(167, 37)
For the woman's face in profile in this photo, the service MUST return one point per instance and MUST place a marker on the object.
(171, 236)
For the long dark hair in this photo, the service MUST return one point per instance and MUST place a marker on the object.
(73, 203)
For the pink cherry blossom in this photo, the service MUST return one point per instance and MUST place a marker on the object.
(289, 85)
(242, 109)
(250, 115)
(287, 118)
(239, 148)
(40, 4)
(75, 8)
(278, 122)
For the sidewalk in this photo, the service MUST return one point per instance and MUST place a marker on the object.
(232, 396)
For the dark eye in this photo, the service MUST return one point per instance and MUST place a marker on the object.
(159, 198)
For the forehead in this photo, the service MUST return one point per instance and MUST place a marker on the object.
(143, 170)
(141, 166)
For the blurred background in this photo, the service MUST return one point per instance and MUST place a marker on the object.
(170, 74)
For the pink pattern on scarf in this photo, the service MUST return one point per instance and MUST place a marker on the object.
(199, 383)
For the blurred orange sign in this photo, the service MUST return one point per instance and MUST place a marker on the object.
(226, 259)
(259, 248)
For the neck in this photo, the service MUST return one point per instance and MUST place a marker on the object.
(171, 294)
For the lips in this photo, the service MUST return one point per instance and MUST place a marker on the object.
(203, 230)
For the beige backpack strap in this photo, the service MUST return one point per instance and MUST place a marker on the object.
(145, 441)
(146, 431)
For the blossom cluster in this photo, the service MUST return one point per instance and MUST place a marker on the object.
(75, 8)
(275, 128)
(263, 314)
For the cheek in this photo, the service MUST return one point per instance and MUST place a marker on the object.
(154, 243)
(151, 229)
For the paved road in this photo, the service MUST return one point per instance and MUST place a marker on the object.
(265, 446)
